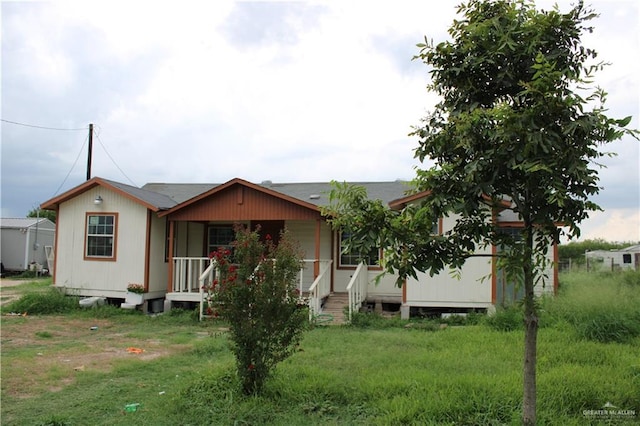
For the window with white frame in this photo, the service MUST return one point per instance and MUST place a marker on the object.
(349, 258)
(101, 236)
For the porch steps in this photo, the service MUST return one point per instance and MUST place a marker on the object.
(333, 308)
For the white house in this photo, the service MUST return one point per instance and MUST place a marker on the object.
(26, 241)
(626, 258)
(111, 234)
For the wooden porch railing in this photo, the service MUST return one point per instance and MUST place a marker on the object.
(320, 289)
(186, 273)
(357, 288)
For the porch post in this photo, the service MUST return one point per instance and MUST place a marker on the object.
(170, 255)
(316, 263)
(147, 250)
(405, 310)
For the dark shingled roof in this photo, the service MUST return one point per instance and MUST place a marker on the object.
(154, 198)
(315, 193)
(318, 193)
(179, 192)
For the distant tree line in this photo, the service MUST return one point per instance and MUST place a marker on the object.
(47, 214)
(575, 250)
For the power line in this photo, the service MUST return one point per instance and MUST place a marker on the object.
(40, 127)
(112, 160)
(74, 164)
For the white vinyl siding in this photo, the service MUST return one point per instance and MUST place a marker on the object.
(84, 276)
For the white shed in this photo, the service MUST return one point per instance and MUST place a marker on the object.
(626, 258)
(25, 241)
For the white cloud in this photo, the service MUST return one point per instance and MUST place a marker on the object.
(207, 91)
(614, 225)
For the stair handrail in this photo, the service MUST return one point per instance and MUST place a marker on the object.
(320, 289)
(206, 276)
(357, 288)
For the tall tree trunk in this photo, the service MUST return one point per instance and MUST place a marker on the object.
(530, 333)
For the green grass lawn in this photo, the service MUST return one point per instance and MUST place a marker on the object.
(341, 375)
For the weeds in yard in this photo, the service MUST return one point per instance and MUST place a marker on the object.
(48, 302)
(55, 421)
(600, 306)
(377, 374)
(374, 320)
(506, 319)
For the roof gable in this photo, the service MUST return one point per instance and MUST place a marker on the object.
(238, 199)
(151, 200)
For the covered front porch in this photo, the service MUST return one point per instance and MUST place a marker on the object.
(206, 222)
(193, 241)
(189, 284)
(190, 274)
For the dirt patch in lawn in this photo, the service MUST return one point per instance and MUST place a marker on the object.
(46, 353)
(7, 293)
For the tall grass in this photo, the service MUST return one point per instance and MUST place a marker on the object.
(51, 301)
(371, 375)
(601, 306)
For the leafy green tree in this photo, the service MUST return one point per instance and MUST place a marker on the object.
(518, 128)
(254, 291)
(47, 214)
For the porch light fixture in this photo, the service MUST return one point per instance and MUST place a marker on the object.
(98, 200)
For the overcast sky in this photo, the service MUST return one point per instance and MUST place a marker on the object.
(289, 92)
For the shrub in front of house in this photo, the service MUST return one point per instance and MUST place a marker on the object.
(254, 291)
(508, 318)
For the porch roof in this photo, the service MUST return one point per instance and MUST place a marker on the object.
(259, 200)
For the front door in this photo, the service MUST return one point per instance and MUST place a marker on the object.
(507, 291)
(273, 228)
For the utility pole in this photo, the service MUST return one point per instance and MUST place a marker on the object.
(90, 149)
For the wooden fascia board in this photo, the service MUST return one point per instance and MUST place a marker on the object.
(246, 184)
(53, 203)
(401, 203)
(92, 183)
(520, 224)
(501, 205)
